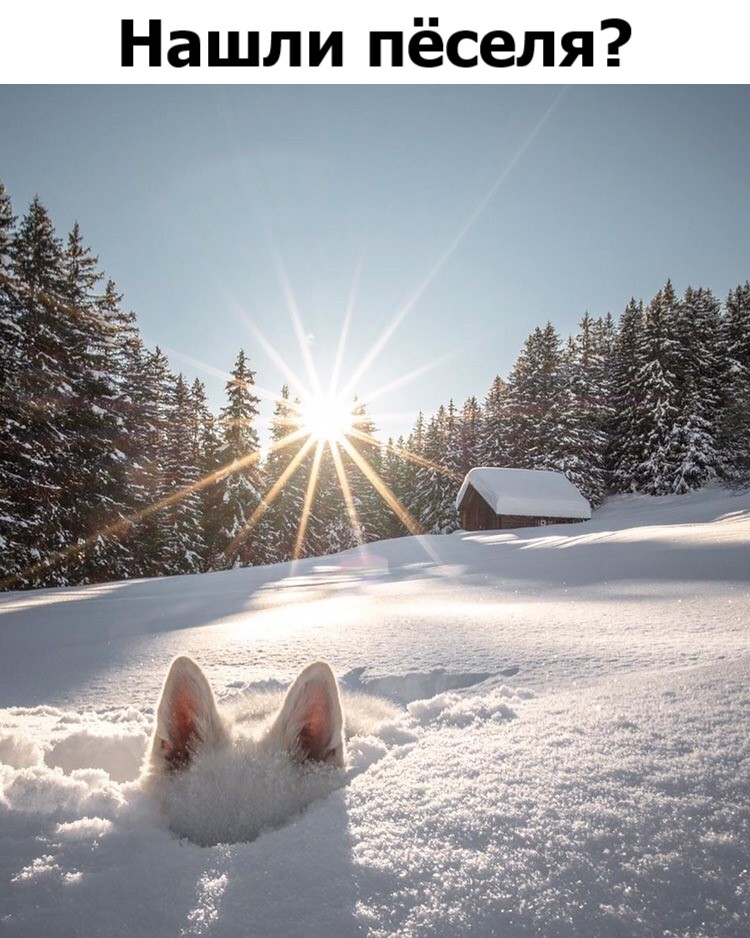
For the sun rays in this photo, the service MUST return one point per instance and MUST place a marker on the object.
(329, 420)
(319, 421)
(326, 417)
(321, 418)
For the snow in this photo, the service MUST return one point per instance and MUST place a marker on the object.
(565, 751)
(529, 492)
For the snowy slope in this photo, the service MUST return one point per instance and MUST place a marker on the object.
(570, 753)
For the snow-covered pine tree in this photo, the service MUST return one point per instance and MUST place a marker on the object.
(7, 227)
(373, 512)
(122, 356)
(588, 410)
(437, 485)
(533, 392)
(206, 447)
(43, 396)
(694, 449)
(94, 496)
(415, 440)
(242, 488)
(623, 457)
(470, 425)
(734, 434)
(329, 528)
(279, 525)
(10, 332)
(397, 472)
(11, 521)
(415, 445)
(423, 504)
(453, 452)
(180, 521)
(659, 391)
(152, 404)
(604, 338)
(545, 429)
(493, 444)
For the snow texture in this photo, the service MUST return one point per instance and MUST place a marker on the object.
(527, 492)
(549, 734)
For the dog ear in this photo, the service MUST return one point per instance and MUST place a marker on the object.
(187, 718)
(310, 721)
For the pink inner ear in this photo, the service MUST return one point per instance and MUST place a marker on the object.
(183, 733)
(316, 719)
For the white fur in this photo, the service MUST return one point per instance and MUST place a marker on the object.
(312, 701)
(225, 776)
(185, 686)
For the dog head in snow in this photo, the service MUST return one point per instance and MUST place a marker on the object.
(226, 776)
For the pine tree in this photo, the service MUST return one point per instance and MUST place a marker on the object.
(493, 447)
(659, 389)
(470, 425)
(43, 396)
(588, 411)
(534, 400)
(153, 402)
(280, 523)
(242, 488)
(11, 338)
(374, 516)
(7, 230)
(415, 446)
(534, 389)
(605, 336)
(398, 473)
(124, 361)
(734, 418)
(436, 484)
(94, 495)
(693, 455)
(180, 521)
(329, 527)
(545, 428)
(627, 400)
(206, 453)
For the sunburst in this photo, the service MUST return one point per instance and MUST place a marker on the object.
(327, 417)
(321, 418)
(331, 419)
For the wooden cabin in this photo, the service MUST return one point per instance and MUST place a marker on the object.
(495, 499)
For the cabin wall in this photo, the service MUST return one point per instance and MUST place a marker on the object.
(531, 521)
(477, 515)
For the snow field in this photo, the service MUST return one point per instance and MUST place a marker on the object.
(566, 752)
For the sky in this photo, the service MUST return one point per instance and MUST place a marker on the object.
(462, 215)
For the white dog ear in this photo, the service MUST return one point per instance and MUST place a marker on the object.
(187, 718)
(310, 721)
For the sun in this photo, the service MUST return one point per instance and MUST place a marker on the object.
(326, 417)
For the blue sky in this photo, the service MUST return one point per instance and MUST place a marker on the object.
(191, 195)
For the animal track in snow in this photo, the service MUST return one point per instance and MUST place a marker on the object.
(404, 689)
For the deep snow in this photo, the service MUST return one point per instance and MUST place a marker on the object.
(570, 752)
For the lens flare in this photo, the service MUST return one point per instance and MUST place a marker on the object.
(326, 417)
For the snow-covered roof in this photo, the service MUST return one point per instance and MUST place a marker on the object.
(533, 492)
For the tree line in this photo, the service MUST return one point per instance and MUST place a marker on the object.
(112, 466)
(657, 403)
